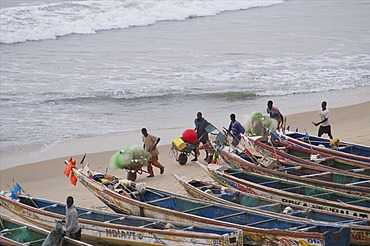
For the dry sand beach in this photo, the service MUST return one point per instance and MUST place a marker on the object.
(46, 179)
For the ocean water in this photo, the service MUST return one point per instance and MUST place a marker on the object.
(84, 71)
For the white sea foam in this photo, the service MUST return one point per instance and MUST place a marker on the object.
(52, 20)
(159, 76)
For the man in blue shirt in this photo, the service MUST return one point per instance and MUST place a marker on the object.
(235, 128)
(202, 134)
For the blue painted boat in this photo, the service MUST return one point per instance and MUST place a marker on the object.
(105, 228)
(309, 174)
(205, 190)
(333, 163)
(258, 228)
(292, 192)
(346, 150)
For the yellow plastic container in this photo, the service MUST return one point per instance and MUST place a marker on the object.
(179, 143)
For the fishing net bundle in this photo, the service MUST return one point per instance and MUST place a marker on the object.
(258, 122)
(55, 236)
(130, 157)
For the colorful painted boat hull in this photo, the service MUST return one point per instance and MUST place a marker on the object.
(345, 150)
(311, 176)
(281, 190)
(160, 204)
(360, 229)
(114, 229)
(349, 167)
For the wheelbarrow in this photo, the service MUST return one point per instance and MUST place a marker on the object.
(182, 154)
(133, 171)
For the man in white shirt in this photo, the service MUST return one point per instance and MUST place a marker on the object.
(73, 228)
(324, 123)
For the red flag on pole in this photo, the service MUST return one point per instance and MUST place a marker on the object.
(73, 179)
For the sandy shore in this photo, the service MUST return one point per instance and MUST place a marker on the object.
(46, 179)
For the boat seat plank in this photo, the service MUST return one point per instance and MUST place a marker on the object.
(308, 228)
(86, 213)
(50, 206)
(359, 183)
(297, 227)
(190, 228)
(149, 224)
(315, 174)
(13, 229)
(269, 182)
(110, 221)
(358, 170)
(230, 215)
(197, 208)
(260, 222)
(160, 199)
(267, 205)
(289, 168)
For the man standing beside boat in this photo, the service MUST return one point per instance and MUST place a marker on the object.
(202, 135)
(73, 228)
(324, 123)
(150, 144)
(235, 128)
(275, 113)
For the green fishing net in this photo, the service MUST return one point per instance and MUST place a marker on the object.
(130, 157)
(257, 122)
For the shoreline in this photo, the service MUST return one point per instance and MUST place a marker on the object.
(45, 179)
(289, 105)
(109, 142)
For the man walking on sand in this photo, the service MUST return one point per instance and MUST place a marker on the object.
(324, 123)
(150, 144)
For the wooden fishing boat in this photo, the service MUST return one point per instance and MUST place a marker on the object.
(331, 163)
(258, 228)
(14, 232)
(117, 229)
(345, 150)
(326, 159)
(205, 190)
(305, 173)
(292, 192)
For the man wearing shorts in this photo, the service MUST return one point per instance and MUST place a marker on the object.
(324, 123)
